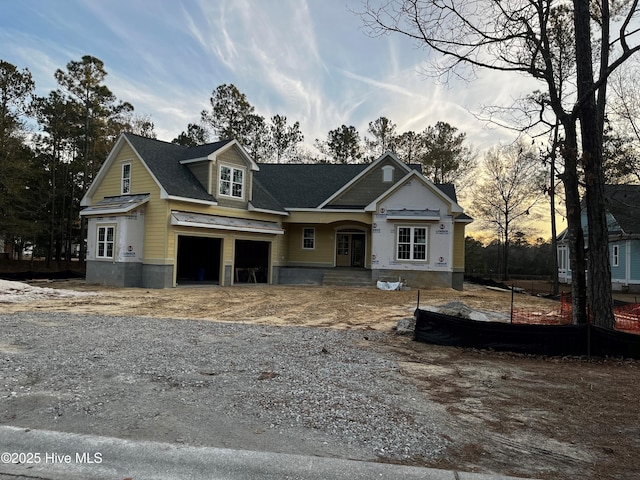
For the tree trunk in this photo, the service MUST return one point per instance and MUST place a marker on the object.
(552, 201)
(599, 297)
(574, 224)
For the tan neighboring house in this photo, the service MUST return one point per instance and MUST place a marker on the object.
(161, 214)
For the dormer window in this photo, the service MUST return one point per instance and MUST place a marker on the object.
(387, 174)
(126, 178)
(231, 182)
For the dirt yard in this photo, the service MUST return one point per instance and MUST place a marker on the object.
(548, 418)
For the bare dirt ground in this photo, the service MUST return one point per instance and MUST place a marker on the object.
(548, 418)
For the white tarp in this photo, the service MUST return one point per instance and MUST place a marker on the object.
(389, 285)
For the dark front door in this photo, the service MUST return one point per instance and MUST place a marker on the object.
(350, 250)
(357, 249)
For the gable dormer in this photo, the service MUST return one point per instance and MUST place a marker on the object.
(226, 172)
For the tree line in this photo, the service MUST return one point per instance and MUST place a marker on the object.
(51, 148)
(529, 257)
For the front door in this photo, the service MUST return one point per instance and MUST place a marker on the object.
(350, 250)
(343, 253)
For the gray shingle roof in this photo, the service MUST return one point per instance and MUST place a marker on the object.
(305, 185)
(275, 186)
(623, 202)
(163, 159)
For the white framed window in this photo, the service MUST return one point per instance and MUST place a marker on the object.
(231, 182)
(126, 178)
(411, 243)
(105, 241)
(615, 255)
(309, 238)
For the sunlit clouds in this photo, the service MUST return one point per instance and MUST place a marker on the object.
(307, 60)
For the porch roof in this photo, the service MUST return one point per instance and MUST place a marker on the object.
(201, 220)
(116, 205)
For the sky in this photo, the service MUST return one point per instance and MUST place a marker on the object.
(306, 59)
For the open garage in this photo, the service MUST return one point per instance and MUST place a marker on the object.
(251, 261)
(198, 259)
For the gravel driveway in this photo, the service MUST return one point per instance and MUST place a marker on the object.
(299, 390)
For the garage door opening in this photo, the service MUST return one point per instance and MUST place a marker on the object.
(251, 261)
(198, 260)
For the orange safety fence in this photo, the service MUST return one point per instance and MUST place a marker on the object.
(627, 317)
(540, 316)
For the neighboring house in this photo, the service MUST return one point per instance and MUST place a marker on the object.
(161, 214)
(623, 223)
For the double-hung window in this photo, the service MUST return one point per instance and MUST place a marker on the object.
(309, 238)
(412, 243)
(126, 178)
(616, 256)
(106, 237)
(231, 182)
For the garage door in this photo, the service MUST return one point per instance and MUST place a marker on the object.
(251, 261)
(198, 259)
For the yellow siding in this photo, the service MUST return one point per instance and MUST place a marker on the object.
(231, 157)
(329, 217)
(458, 245)
(280, 251)
(222, 211)
(156, 213)
(322, 254)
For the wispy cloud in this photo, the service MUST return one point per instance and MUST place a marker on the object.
(306, 60)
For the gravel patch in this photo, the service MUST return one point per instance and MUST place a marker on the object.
(285, 389)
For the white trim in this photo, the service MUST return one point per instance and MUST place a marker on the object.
(371, 166)
(313, 230)
(165, 196)
(411, 244)
(326, 210)
(251, 208)
(244, 183)
(194, 160)
(122, 167)
(96, 210)
(101, 213)
(234, 143)
(106, 226)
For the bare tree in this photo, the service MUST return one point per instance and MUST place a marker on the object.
(505, 197)
(515, 37)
